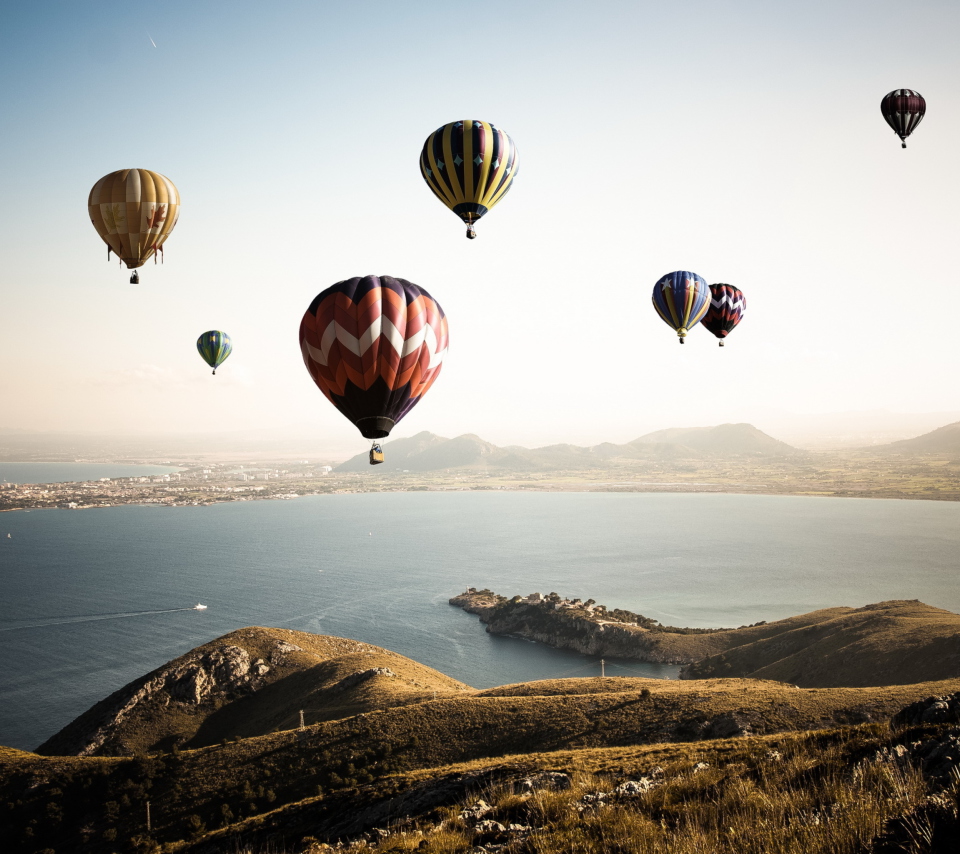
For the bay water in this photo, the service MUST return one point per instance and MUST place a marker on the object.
(74, 472)
(91, 599)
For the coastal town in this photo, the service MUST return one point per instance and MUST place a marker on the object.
(190, 485)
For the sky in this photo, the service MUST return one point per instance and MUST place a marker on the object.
(739, 140)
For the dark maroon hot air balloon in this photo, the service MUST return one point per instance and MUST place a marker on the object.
(727, 305)
(374, 345)
(904, 110)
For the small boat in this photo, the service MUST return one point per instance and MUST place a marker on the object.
(199, 607)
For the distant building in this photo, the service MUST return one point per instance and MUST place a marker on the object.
(534, 598)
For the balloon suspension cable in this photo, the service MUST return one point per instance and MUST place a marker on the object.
(109, 250)
(471, 231)
(160, 250)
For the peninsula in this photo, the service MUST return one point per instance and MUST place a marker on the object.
(887, 643)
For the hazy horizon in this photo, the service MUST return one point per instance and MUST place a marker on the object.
(814, 432)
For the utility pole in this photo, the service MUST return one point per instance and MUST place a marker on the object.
(302, 727)
(603, 671)
(148, 816)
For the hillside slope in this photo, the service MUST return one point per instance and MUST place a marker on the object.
(888, 643)
(344, 776)
(943, 440)
(249, 682)
(722, 440)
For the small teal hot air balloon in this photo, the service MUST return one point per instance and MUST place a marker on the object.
(681, 298)
(214, 346)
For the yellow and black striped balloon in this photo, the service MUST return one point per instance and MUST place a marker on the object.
(469, 165)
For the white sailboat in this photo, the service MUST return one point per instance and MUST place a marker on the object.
(199, 607)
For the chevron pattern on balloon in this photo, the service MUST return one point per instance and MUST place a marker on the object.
(727, 306)
(729, 303)
(374, 345)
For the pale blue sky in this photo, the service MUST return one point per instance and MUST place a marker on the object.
(740, 140)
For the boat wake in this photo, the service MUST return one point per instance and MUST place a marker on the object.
(15, 625)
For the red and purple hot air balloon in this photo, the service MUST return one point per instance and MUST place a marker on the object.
(727, 305)
(374, 346)
(904, 110)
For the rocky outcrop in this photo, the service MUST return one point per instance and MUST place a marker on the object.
(932, 710)
(215, 674)
(583, 628)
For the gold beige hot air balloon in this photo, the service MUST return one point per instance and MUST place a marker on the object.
(134, 211)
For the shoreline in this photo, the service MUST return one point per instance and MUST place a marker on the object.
(582, 489)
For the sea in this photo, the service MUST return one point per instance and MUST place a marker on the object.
(73, 472)
(92, 599)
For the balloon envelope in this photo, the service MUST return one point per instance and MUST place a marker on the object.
(681, 298)
(470, 166)
(727, 305)
(374, 346)
(214, 346)
(903, 109)
(134, 211)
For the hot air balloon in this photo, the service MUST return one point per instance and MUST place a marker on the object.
(134, 211)
(374, 345)
(681, 298)
(904, 110)
(214, 346)
(469, 165)
(727, 305)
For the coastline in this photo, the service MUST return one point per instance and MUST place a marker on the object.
(205, 484)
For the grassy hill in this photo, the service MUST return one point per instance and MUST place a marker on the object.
(888, 643)
(247, 683)
(944, 440)
(413, 767)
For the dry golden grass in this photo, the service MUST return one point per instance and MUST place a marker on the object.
(595, 725)
(305, 679)
(889, 643)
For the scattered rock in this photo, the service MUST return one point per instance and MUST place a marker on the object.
(360, 676)
(473, 814)
(489, 826)
(700, 766)
(940, 756)
(729, 725)
(933, 710)
(281, 649)
(632, 788)
(556, 781)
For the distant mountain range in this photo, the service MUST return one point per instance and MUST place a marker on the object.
(429, 452)
(944, 440)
